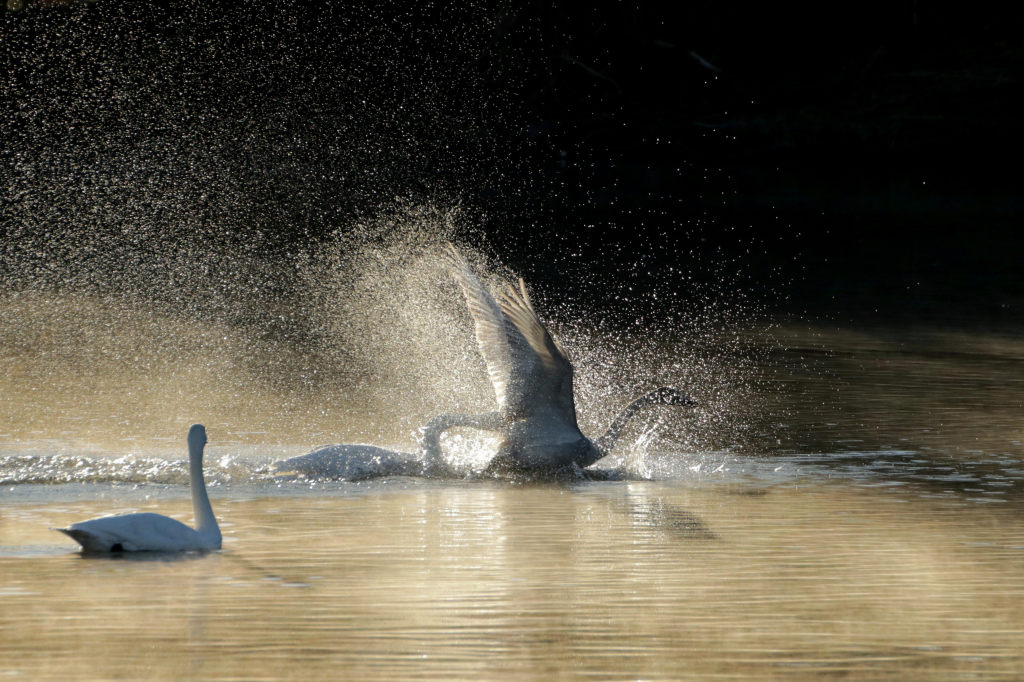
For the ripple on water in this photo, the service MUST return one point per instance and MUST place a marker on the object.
(129, 469)
(447, 580)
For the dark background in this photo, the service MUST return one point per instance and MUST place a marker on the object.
(851, 162)
(862, 155)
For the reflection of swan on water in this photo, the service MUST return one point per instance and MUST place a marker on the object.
(532, 379)
(153, 532)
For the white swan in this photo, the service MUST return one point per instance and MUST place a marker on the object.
(153, 532)
(532, 378)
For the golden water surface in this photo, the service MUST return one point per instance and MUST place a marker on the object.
(844, 505)
(406, 580)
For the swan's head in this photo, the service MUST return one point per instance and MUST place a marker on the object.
(670, 396)
(196, 436)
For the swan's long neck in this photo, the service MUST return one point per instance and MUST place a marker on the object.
(430, 434)
(607, 441)
(206, 522)
(430, 443)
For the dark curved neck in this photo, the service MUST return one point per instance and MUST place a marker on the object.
(430, 433)
(607, 441)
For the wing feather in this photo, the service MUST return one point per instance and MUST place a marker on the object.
(527, 366)
(518, 309)
(490, 326)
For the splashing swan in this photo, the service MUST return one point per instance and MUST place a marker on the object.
(154, 532)
(532, 378)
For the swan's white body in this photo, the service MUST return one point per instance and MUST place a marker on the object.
(153, 532)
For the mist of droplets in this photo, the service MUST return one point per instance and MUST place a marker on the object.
(240, 219)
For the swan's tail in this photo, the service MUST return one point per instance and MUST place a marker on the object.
(79, 536)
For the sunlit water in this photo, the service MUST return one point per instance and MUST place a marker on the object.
(873, 530)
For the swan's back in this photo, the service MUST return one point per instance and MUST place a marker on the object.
(349, 461)
(143, 532)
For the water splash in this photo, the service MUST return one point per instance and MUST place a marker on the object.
(388, 345)
(238, 217)
(128, 469)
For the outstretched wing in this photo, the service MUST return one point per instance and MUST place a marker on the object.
(490, 326)
(517, 308)
(527, 367)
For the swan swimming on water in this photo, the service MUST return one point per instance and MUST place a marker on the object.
(532, 378)
(154, 532)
